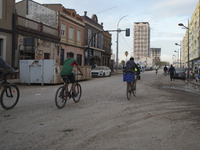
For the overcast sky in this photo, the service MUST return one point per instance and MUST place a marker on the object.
(162, 15)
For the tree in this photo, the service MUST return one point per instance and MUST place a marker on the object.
(126, 54)
(162, 63)
(122, 62)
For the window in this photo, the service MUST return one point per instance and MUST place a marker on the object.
(89, 36)
(71, 33)
(79, 59)
(96, 40)
(79, 36)
(46, 56)
(63, 28)
(1, 10)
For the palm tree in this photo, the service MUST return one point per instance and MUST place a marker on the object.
(126, 54)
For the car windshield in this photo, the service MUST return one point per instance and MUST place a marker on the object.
(100, 68)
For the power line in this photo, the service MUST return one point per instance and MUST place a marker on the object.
(106, 10)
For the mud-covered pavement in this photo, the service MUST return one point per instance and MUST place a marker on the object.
(164, 115)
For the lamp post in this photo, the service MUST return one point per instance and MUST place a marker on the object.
(188, 69)
(177, 57)
(173, 57)
(118, 30)
(180, 53)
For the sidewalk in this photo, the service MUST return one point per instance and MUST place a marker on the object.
(193, 81)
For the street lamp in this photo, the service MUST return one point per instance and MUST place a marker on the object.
(118, 30)
(188, 70)
(180, 52)
(177, 57)
(173, 58)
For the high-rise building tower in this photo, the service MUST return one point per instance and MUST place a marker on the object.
(141, 40)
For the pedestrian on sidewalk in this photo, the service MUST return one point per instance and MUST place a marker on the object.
(198, 78)
(172, 72)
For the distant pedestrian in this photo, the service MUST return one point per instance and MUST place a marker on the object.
(198, 78)
(94, 66)
(165, 70)
(172, 72)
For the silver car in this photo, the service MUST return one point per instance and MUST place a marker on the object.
(180, 73)
(101, 71)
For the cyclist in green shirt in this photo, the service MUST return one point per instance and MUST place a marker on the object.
(67, 70)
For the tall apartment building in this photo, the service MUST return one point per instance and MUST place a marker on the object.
(155, 53)
(141, 40)
(194, 40)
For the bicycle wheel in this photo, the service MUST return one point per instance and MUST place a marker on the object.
(9, 96)
(60, 97)
(128, 91)
(78, 92)
(134, 89)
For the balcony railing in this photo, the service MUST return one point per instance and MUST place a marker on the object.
(34, 26)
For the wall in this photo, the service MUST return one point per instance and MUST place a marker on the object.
(38, 12)
(194, 34)
(21, 8)
(7, 14)
(6, 18)
(42, 47)
(1, 10)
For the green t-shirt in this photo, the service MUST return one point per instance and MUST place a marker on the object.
(69, 63)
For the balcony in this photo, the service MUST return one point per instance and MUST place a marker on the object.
(26, 25)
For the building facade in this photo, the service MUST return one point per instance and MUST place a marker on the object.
(194, 40)
(71, 27)
(7, 31)
(93, 41)
(155, 54)
(37, 39)
(141, 40)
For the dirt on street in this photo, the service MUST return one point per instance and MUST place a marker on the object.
(164, 115)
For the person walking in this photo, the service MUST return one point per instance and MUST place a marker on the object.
(165, 70)
(172, 72)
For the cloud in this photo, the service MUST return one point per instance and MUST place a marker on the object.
(174, 7)
(167, 58)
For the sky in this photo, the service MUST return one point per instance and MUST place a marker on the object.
(162, 15)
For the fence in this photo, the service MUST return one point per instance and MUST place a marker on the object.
(37, 27)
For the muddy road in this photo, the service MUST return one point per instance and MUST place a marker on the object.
(164, 115)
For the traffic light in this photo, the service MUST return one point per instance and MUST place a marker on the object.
(127, 32)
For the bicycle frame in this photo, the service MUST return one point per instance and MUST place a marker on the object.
(66, 85)
(65, 92)
(68, 93)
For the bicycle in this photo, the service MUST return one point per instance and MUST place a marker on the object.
(10, 93)
(131, 84)
(63, 93)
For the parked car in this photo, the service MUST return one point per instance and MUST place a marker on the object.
(180, 73)
(101, 71)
